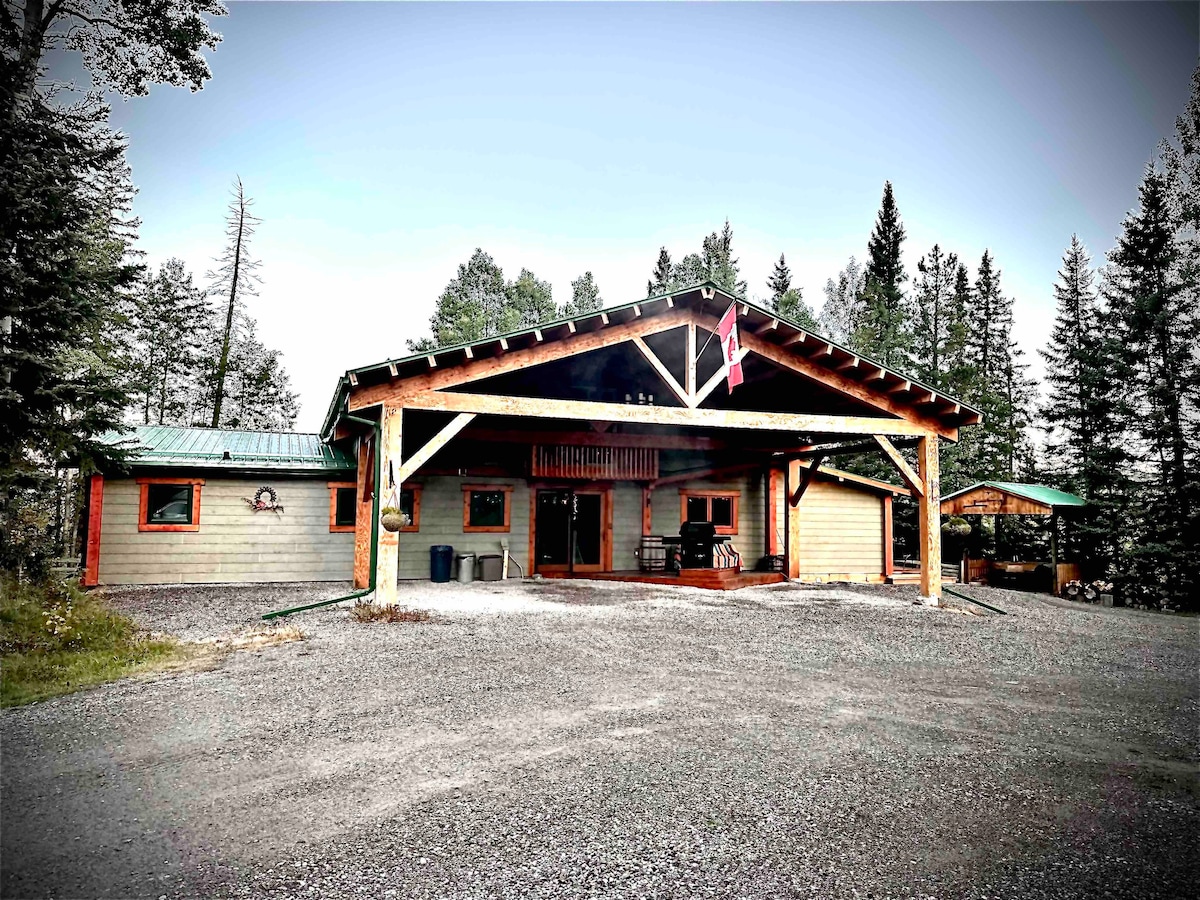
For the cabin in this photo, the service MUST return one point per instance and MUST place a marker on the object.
(595, 446)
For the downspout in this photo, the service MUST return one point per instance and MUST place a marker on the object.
(370, 588)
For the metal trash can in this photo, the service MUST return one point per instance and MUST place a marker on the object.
(466, 567)
(441, 558)
(491, 567)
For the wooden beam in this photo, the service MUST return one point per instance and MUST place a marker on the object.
(717, 377)
(470, 353)
(690, 376)
(95, 518)
(432, 446)
(851, 363)
(902, 388)
(637, 311)
(387, 546)
(392, 370)
(603, 318)
(824, 349)
(811, 368)
(364, 504)
(570, 326)
(537, 335)
(670, 302)
(353, 379)
(534, 355)
(587, 410)
(592, 439)
(791, 516)
(432, 361)
(647, 512)
(889, 561)
(805, 480)
(663, 372)
(774, 480)
(705, 472)
(911, 478)
(503, 346)
(929, 518)
(798, 338)
(769, 327)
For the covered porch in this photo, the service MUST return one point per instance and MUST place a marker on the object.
(625, 402)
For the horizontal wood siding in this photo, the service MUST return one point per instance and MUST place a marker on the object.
(627, 525)
(442, 523)
(841, 532)
(233, 542)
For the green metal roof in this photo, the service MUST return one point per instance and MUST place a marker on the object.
(1038, 493)
(220, 448)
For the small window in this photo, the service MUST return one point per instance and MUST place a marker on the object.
(487, 507)
(718, 507)
(345, 506)
(410, 505)
(169, 504)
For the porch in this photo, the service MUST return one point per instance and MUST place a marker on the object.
(710, 579)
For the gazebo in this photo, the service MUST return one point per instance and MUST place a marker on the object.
(1007, 498)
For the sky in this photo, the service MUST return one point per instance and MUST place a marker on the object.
(383, 142)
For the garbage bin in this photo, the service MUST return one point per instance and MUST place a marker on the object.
(466, 567)
(441, 556)
(491, 567)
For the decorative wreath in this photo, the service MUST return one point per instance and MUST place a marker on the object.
(264, 498)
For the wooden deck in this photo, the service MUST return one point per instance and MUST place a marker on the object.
(710, 579)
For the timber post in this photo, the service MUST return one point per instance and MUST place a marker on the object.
(929, 517)
(387, 557)
(791, 513)
(364, 495)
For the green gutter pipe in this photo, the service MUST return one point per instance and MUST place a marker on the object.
(370, 588)
(972, 600)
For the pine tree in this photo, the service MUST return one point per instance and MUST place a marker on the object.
(530, 302)
(167, 322)
(236, 275)
(1070, 356)
(585, 296)
(719, 264)
(989, 322)
(259, 389)
(66, 238)
(473, 305)
(660, 280)
(689, 271)
(790, 305)
(841, 315)
(780, 280)
(1154, 316)
(883, 332)
(933, 314)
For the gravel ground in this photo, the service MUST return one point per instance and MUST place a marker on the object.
(572, 739)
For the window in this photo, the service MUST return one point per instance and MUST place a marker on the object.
(343, 506)
(487, 507)
(410, 505)
(169, 504)
(718, 507)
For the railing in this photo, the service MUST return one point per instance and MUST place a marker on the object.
(594, 463)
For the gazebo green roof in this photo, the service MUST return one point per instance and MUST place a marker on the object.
(1038, 493)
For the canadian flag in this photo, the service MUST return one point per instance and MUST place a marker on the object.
(727, 331)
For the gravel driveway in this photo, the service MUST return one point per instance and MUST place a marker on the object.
(571, 739)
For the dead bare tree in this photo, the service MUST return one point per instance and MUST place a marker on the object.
(236, 274)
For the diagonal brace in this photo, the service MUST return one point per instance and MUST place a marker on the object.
(911, 478)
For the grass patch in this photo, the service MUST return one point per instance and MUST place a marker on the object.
(55, 639)
(364, 611)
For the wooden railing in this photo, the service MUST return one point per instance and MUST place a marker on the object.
(594, 463)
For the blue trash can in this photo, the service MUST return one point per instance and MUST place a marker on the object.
(441, 557)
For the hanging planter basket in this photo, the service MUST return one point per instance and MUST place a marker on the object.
(392, 519)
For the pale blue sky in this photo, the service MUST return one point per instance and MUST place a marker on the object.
(384, 142)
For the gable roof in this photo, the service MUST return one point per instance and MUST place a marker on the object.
(787, 337)
(1038, 493)
(219, 448)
